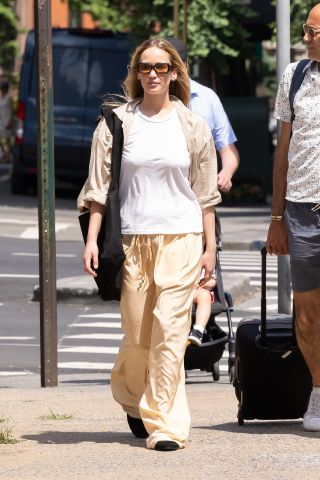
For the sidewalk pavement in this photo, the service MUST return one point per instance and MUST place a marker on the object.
(95, 443)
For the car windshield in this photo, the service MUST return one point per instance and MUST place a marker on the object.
(70, 70)
(106, 74)
(82, 77)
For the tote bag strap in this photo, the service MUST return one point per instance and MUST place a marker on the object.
(115, 127)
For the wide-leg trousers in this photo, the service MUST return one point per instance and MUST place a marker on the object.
(160, 274)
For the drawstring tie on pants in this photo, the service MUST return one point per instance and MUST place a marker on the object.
(140, 241)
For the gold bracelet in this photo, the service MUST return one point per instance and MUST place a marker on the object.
(277, 218)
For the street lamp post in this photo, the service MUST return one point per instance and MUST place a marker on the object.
(46, 203)
(283, 58)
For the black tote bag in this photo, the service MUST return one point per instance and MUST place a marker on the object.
(111, 254)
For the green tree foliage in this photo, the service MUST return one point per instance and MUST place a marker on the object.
(299, 10)
(108, 13)
(8, 34)
(299, 14)
(214, 28)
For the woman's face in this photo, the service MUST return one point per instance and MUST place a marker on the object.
(154, 83)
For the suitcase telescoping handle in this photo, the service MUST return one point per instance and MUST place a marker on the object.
(264, 302)
(263, 294)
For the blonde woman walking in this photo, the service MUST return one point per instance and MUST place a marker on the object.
(168, 190)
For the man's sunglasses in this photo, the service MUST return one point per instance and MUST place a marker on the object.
(312, 32)
(157, 67)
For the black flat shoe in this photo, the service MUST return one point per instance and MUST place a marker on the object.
(137, 427)
(166, 446)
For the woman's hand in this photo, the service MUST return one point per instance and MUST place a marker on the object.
(90, 258)
(208, 264)
(91, 251)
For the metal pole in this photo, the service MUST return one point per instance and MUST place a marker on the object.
(283, 58)
(46, 199)
(184, 30)
(176, 18)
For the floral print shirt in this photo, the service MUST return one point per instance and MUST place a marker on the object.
(303, 179)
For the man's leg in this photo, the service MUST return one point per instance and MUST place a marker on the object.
(303, 227)
(307, 305)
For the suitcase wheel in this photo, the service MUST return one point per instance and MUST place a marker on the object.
(215, 372)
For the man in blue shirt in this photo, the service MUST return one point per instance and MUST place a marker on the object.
(207, 103)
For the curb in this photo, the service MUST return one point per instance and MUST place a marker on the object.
(83, 288)
(250, 246)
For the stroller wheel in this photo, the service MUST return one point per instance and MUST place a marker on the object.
(231, 374)
(215, 372)
(240, 417)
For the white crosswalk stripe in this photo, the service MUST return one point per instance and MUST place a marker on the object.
(97, 366)
(87, 349)
(91, 343)
(101, 315)
(97, 325)
(96, 336)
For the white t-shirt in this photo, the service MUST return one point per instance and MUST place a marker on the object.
(155, 195)
(303, 178)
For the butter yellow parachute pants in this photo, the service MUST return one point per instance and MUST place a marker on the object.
(160, 274)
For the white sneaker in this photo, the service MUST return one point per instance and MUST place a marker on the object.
(311, 419)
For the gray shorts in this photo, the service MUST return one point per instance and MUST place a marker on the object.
(303, 227)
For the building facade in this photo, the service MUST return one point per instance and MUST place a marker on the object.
(61, 18)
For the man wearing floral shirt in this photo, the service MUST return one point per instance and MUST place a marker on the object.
(295, 215)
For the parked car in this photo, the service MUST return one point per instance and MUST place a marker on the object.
(87, 64)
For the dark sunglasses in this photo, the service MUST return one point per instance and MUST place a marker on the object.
(311, 31)
(157, 67)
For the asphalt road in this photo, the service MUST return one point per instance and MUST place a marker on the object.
(89, 333)
(19, 267)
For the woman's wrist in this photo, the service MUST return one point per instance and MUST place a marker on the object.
(210, 250)
(91, 239)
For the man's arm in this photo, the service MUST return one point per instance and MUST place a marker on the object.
(209, 255)
(277, 241)
(230, 162)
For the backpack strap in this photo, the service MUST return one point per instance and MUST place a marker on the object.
(296, 82)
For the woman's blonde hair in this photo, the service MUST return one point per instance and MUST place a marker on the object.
(179, 88)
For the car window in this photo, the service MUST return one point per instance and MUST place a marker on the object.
(81, 78)
(70, 69)
(106, 73)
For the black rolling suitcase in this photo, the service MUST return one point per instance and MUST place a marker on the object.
(272, 381)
